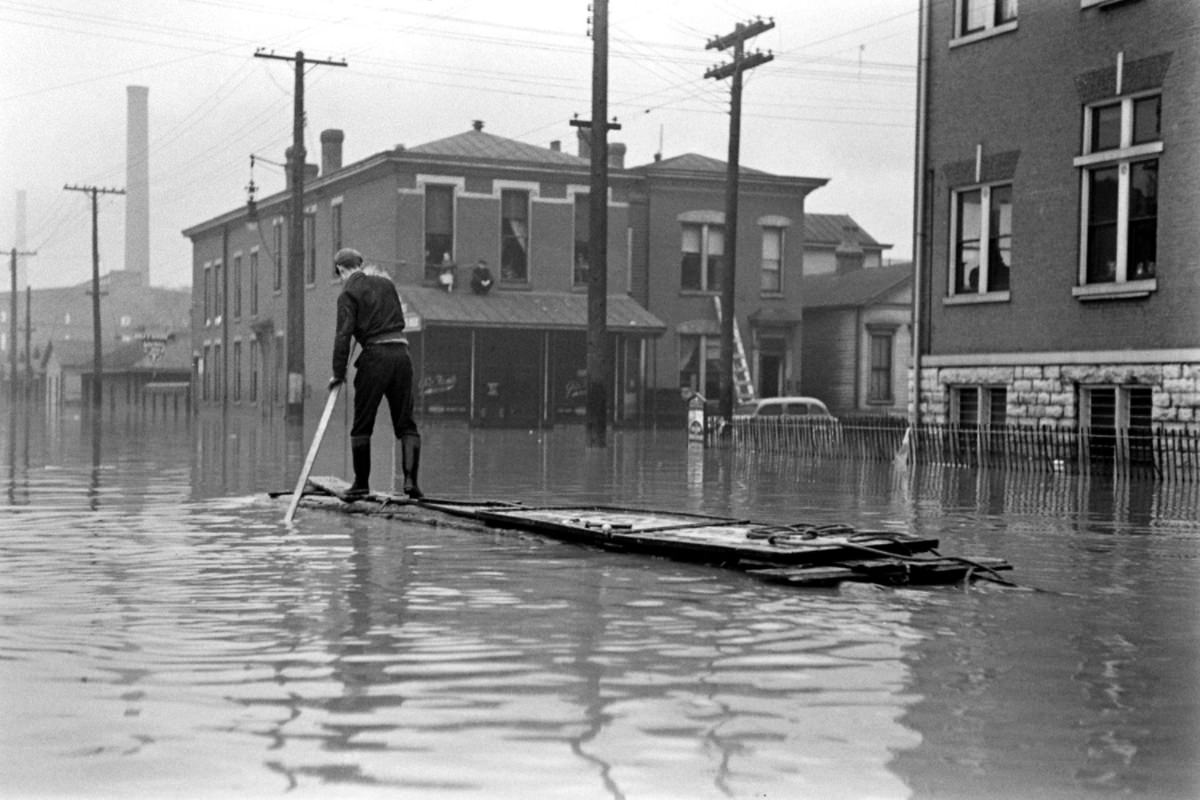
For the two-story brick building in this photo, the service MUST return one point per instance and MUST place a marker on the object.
(1058, 248)
(517, 353)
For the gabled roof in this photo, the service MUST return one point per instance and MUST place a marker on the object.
(479, 145)
(693, 162)
(529, 310)
(861, 287)
(828, 229)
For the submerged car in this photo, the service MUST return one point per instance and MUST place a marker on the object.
(807, 407)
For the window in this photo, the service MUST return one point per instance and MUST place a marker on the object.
(439, 228)
(205, 371)
(703, 258)
(277, 252)
(207, 295)
(1119, 187)
(237, 371)
(700, 364)
(772, 260)
(879, 382)
(218, 292)
(218, 369)
(335, 228)
(310, 249)
(982, 215)
(253, 388)
(514, 235)
(979, 406)
(237, 286)
(253, 282)
(984, 16)
(978, 415)
(1117, 423)
(583, 235)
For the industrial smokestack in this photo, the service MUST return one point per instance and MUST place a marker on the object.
(137, 183)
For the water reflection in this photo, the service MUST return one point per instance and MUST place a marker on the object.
(165, 634)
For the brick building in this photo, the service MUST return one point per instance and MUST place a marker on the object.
(1058, 248)
(516, 354)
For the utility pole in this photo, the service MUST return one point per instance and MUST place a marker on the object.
(741, 62)
(28, 337)
(598, 358)
(294, 412)
(97, 350)
(12, 347)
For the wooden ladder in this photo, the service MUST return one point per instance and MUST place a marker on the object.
(742, 382)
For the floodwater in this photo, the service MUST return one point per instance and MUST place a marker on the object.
(165, 635)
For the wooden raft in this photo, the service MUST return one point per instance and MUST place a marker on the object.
(797, 554)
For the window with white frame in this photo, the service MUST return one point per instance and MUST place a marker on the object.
(514, 235)
(982, 245)
(703, 257)
(1119, 188)
(772, 260)
(439, 228)
(981, 16)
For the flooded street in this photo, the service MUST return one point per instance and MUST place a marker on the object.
(165, 635)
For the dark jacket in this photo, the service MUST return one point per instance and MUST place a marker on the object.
(367, 309)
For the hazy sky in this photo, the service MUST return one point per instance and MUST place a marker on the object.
(837, 101)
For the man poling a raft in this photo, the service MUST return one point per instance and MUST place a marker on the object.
(369, 310)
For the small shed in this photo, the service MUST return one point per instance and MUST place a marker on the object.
(857, 339)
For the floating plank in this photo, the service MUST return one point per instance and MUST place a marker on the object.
(796, 555)
(890, 572)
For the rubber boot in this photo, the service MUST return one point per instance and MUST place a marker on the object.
(360, 457)
(410, 455)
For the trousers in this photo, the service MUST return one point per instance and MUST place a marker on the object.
(383, 370)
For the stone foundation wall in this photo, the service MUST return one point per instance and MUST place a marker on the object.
(1048, 394)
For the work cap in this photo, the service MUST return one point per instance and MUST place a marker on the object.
(348, 257)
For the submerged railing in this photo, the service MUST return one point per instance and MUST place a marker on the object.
(1163, 452)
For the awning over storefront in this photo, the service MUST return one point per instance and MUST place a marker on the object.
(426, 307)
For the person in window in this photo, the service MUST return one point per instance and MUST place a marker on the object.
(446, 276)
(481, 278)
(370, 311)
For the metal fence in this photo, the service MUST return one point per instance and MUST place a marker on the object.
(1162, 452)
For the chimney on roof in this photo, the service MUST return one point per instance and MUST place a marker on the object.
(477, 124)
(849, 253)
(331, 150)
(310, 170)
(616, 155)
(556, 145)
